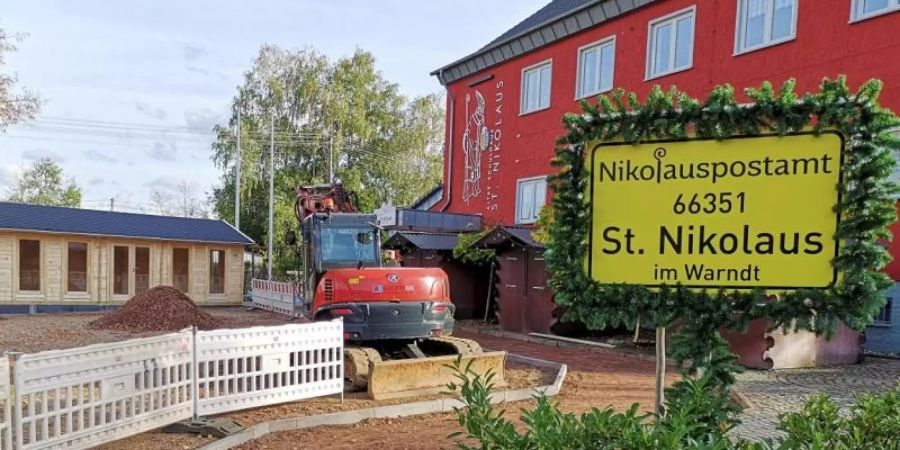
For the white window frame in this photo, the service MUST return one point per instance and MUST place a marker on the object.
(651, 42)
(856, 14)
(605, 42)
(519, 184)
(533, 67)
(740, 28)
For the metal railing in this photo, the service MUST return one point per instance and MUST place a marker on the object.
(276, 296)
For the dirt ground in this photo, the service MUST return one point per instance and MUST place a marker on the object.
(60, 331)
(597, 378)
(41, 332)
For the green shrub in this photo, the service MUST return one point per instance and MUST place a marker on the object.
(697, 418)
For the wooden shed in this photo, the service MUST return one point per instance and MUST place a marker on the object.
(68, 259)
(468, 283)
(524, 301)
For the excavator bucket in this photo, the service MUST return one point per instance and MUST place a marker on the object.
(427, 376)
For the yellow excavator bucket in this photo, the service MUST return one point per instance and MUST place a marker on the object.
(428, 376)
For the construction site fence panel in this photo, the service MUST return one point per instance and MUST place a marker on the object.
(83, 397)
(276, 296)
(253, 367)
(5, 405)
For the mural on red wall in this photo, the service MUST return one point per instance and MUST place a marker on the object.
(481, 142)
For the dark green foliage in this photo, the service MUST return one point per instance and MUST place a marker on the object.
(866, 207)
(694, 421)
(465, 252)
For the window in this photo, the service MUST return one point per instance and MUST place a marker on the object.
(531, 194)
(596, 64)
(884, 316)
(670, 47)
(180, 274)
(349, 245)
(120, 269)
(536, 87)
(762, 23)
(141, 269)
(864, 9)
(217, 272)
(76, 277)
(29, 265)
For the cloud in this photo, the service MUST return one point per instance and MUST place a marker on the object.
(150, 110)
(36, 154)
(208, 73)
(9, 173)
(163, 183)
(201, 119)
(161, 152)
(97, 155)
(193, 52)
(96, 181)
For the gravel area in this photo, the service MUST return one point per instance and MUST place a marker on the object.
(35, 333)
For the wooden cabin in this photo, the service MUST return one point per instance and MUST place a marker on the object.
(68, 259)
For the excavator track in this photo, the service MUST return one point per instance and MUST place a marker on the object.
(356, 366)
(454, 345)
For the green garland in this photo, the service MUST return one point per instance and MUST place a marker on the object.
(867, 208)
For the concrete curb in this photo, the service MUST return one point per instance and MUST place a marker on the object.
(406, 409)
(566, 343)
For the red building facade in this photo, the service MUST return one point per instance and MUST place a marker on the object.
(502, 121)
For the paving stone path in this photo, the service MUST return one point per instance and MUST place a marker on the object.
(771, 392)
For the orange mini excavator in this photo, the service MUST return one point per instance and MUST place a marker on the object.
(398, 321)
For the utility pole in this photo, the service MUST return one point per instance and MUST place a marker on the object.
(331, 159)
(237, 175)
(112, 204)
(271, 188)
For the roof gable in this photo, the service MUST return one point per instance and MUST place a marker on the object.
(422, 241)
(52, 219)
(555, 21)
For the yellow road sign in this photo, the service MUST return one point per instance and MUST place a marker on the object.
(744, 212)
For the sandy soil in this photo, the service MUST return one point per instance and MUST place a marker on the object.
(597, 378)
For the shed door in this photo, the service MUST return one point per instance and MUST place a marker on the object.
(512, 280)
(539, 309)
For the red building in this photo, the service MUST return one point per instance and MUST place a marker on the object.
(505, 101)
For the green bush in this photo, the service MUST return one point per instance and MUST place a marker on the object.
(697, 418)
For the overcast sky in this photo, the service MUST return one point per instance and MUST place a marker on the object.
(108, 67)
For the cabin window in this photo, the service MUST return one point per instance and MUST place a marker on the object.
(762, 23)
(76, 275)
(530, 198)
(217, 272)
(120, 269)
(596, 64)
(29, 265)
(180, 273)
(671, 43)
(536, 87)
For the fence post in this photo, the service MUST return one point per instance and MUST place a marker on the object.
(195, 376)
(16, 419)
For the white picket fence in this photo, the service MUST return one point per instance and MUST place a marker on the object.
(83, 397)
(5, 405)
(275, 296)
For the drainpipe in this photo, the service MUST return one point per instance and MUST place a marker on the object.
(448, 183)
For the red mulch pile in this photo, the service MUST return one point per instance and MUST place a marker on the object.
(162, 308)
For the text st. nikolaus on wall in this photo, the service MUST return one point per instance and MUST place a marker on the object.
(741, 213)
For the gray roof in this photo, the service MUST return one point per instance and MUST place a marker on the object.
(53, 219)
(555, 21)
(423, 241)
(501, 235)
